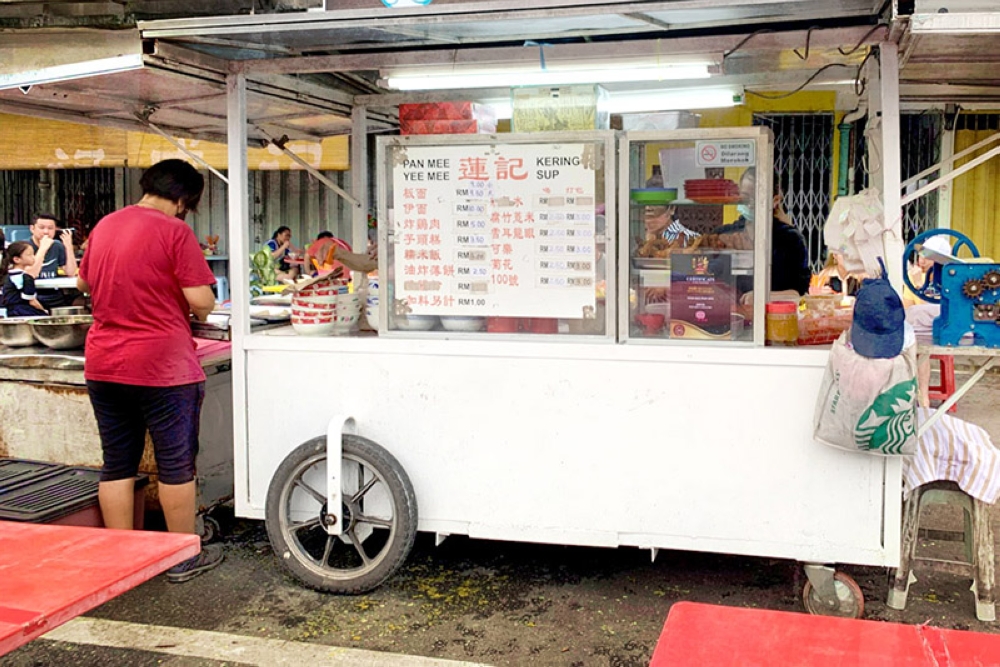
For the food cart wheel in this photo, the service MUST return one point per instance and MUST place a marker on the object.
(379, 510)
(208, 528)
(852, 600)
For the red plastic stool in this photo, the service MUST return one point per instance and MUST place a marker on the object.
(946, 386)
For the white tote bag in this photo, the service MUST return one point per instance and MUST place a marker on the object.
(868, 405)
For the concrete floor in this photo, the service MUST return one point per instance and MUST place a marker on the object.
(498, 603)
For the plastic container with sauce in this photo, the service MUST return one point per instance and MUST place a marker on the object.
(781, 323)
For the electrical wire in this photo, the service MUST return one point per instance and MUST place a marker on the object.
(798, 89)
(859, 83)
(743, 41)
(880, 26)
(809, 33)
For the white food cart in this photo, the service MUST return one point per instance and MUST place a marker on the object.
(577, 427)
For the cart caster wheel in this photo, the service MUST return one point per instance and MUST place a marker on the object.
(852, 600)
(379, 509)
(210, 530)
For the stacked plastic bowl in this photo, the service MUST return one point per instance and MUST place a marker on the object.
(371, 302)
(348, 313)
(314, 311)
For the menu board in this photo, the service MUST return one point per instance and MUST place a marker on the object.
(701, 295)
(496, 230)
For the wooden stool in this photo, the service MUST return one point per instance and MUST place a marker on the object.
(977, 537)
(946, 384)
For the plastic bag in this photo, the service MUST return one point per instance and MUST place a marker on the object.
(867, 404)
(856, 227)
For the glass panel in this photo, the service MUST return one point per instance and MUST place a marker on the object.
(691, 250)
(496, 238)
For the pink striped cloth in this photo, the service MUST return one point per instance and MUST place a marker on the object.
(954, 450)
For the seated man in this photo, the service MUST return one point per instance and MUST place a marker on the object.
(51, 256)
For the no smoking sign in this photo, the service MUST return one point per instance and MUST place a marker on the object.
(734, 153)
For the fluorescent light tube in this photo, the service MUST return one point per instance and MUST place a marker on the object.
(77, 70)
(514, 77)
(668, 100)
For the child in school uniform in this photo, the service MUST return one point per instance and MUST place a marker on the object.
(18, 296)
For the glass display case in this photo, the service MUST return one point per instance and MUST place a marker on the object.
(488, 237)
(691, 254)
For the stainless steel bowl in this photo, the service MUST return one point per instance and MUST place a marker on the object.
(62, 333)
(66, 311)
(16, 332)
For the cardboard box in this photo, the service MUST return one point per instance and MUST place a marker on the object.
(447, 111)
(554, 108)
(447, 127)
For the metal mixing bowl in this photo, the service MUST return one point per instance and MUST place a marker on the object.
(65, 311)
(16, 332)
(62, 333)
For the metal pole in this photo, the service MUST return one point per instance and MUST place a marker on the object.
(359, 175)
(280, 145)
(891, 170)
(239, 273)
(951, 175)
(988, 140)
(179, 146)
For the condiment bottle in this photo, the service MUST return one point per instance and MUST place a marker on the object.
(781, 325)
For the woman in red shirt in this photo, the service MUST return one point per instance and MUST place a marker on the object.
(147, 275)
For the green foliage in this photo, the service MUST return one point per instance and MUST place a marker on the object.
(262, 271)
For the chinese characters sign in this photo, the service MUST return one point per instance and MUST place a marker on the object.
(499, 230)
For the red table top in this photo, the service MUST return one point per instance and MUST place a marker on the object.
(702, 635)
(51, 574)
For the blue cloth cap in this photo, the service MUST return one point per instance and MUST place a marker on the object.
(878, 327)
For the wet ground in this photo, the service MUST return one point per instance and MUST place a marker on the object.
(503, 603)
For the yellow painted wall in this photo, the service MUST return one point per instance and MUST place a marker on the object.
(975, 204)
(33, 143)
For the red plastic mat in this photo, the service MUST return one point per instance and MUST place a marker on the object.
(702, 635)
(51, 574)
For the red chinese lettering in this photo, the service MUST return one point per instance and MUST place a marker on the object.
(449, 270)
(512, 169)
(472, 169)
(508, 249)
(421, 209)
(529, 233)
(436, 255)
